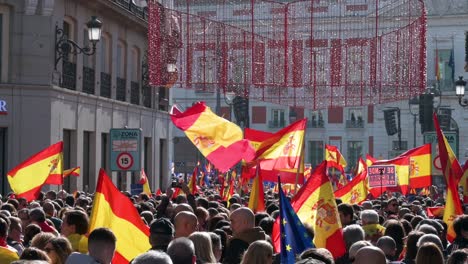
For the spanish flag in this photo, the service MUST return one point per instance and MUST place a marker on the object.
(72, 172)
(145, 183)
(355, 191)
(115, 211)
(436, 212)
(43, 167)
(464, 182)
(279, 154)
(315, 205)
(334, 158)
(401, 164)
(420, 173)
(192, 184)
(219, 140)
(453, 173)
(257, 196)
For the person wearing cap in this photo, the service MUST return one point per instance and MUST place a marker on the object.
(161, 234)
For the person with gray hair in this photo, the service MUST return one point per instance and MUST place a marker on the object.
(182, 251)
(371, 226)
(356, 247)
(152, 256)
(352, 234)
(369, 217)
(432, 239)
(388, 246)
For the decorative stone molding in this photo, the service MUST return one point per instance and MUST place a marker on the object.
(30, 6)
(47, 7)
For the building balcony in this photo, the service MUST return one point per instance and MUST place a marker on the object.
(88, 80)
(105, 85)
(276, 123)
(315, 124)
(129, 6)
(355, 123)
(69, 75)
(121, 89)
(135, 93)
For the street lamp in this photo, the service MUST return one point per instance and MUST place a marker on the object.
(414, 111)
(229, 100)
(460, 91)
(65, 46)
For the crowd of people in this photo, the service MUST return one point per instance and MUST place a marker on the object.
(202, 228)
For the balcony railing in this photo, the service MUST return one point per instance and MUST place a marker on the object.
(146, 96)
(315, 124)
(105, 85)
(69, 75)
(88, 80)
(135, 93)
(137, 11)
(359, 123)
(276, 123)
(121, 89)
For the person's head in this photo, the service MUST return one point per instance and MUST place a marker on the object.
(75, 222)
(352, 234)
(242, 219)
(185, 224)
(427, 229)
(161, 233)
(267, 225)
(4, 227)
(37, 215)
(29, 232)
(395, 230)
(356, 247)
(16, 230)
(40, 240)
(346, 213)
(58, 249)
(49, 209)
(203, 247)
(460, 226)
(392, 206)
(22, 203)
(101, 244)
(411, 244)
(430, 238)
(182, 251)
(429, 253)
(369, 217)
(367, 205)
(33, 253)
(370, 255)
(320, 254)
(259, 251)
(388, 246)
(202, 215)
(152, 256)
(51, 195)
(23, 214)
(459, 256)
(217, 245)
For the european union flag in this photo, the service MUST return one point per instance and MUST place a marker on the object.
(294, 237)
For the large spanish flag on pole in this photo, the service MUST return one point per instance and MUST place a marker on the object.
(315, 204)
(278, 153)
(27, 178)
(257, 196)
(452, 173)
(420, 170)
(115, 211)
(144, 181)
(219, 140)
(334, 158)
(355, 191)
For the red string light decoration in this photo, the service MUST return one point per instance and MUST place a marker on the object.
(314, 54)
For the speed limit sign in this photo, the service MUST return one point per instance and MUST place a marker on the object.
(124, 161)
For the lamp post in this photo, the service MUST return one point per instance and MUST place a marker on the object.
(460, 85)
(229, 100)
(414, 111)
(65, 46)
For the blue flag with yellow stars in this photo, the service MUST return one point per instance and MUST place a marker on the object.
(294, 237)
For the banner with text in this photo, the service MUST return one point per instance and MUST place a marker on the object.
(382, 175)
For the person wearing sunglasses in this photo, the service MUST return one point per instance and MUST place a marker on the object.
(392, 206)
(58, 249)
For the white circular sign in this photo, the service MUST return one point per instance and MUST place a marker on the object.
(124, 161)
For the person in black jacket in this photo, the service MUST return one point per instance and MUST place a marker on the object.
(460, 226)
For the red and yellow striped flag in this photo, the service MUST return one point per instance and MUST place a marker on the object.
(420, 166)
(355, 191)
(257, 196)
(315, 205)
(437, 211)
(334, 158)
(72, 172)
(43, 167)
(144, 181)
(115, 211)
(279, 154)
(219, 140)
(464, 182)
(192, 184)
(453, 173)
(402, 174)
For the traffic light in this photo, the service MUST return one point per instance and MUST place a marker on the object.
(390, 116)
(445, 116)
(425, 112)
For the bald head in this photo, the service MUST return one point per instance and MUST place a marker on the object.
(242, 219)
(182, 208)
(185, 224)
(370, 255)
